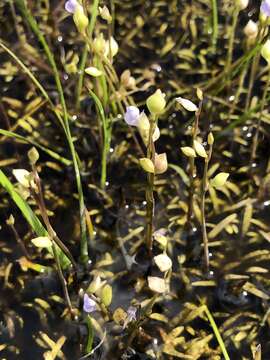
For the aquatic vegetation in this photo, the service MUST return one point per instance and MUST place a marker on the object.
(134, 180)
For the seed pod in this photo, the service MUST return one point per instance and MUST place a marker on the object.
(188, 151)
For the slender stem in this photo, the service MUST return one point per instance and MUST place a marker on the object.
(204, 190)
(231, 39)
(192, 165)
(54, 238)
(150, 189)
(254, 66)
(217, 333)
(256, 136)
(215, 23)
(85, 53)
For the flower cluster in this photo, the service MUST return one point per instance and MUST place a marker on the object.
(133, 117)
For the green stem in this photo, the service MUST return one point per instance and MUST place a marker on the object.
(215, 23)
(204, 190)
(217, 333)
(85, 53)
(256, 136)
(150, 189)
(192, 165)
(90, 336)
(231, 40)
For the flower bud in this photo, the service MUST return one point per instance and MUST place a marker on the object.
(265, 51)
(187, 104)
(161, 163)
(210, 139)
(251, 30)
(242, 4)
(93, 71)
(105, 14)
(147, 165)
(80, 19)
(200, 150)
(106, 295)
(156, 103)
(10, 221)
(33, 155)
(99, 44)
(219, 180)
(144, 127)
(111, 47)
(188, 151)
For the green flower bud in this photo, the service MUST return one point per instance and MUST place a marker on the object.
(156, 103)
(210, 139)
(265, 51)
(80, 19)
(99, 44)
(106, 295)
(147, 165)
(219, 180)
(188, 151)
(33, 155)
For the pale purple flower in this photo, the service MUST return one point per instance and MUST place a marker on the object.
(265, 7)
(89, 305)
(132, 116)
(131, 316)
(71, 5)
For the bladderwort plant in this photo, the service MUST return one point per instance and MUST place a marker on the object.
(198, 149)
(153, 163)
(29, 187)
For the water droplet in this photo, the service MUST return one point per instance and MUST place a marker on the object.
(245, 128)
(119, 116)
(65, 76)
(74, 117)
(95, 233)
(253, 165)
(245, 293)
(155, 341)
(170, 126)
(194, 229)
(249, 135)
(211, 273)
(210, 254)
(60, 38)
(173, 115)
(266, 203)
(204, 143)
(111, 150)
(231, 98)
(127, 206)
(89, 262)
(107, 183)
(144, 203)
